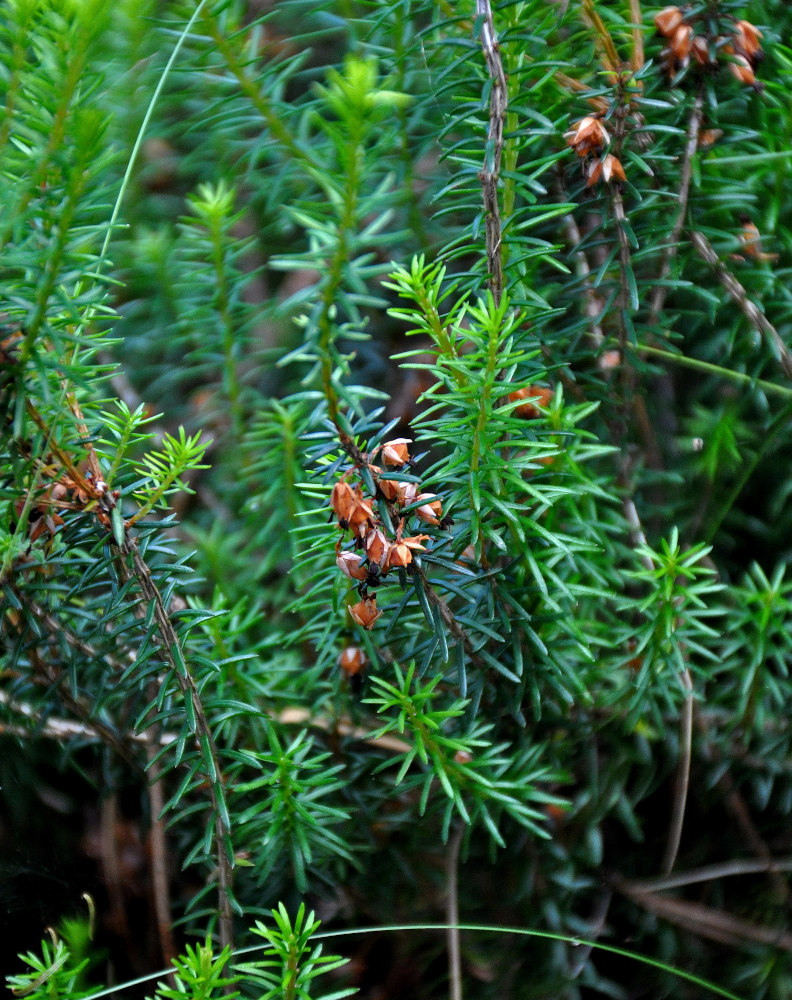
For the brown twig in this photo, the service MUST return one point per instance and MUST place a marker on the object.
(450, 621)
(661, 290)
(709, 873)
(592, 304)
(682, 784)
(452, 913)
(705, 921)
(171, 650)
(739, 296)
(159, 854)
(488, 175)
(597, 926)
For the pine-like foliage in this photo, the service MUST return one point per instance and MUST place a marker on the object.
(393, 412)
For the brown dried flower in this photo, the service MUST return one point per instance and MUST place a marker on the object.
(365, 611)
(395, 452)
(352, 660)
(668, 20)
(589, 135)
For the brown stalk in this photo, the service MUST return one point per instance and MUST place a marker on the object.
(694, 126)
(705, 921)
(452, 913)
(488, 175)
(171, 650)
(636, 17)
(739, 296)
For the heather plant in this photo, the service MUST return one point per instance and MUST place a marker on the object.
(393, 404)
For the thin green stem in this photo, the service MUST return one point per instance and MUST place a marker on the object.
(716, 370)
(576, 942)
(223, 304)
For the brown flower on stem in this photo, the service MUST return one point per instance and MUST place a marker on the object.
(389, 488)
(589, 135)
(681, 44)
(342, 500)
(407, 493)
(751, 242)
(431, 509)
(401, 553)
(362, 515)
(668, 20)
(365, 611)
(352, 660)
(700, 50)
(377, 547)
(747, 41)
(395, 452)
(742, 70)
(608, 168)
(351, 564)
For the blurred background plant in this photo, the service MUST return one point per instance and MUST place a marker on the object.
(415, 447)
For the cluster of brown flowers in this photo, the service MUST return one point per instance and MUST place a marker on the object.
(589, 138)
(743, 46)
(377, 547)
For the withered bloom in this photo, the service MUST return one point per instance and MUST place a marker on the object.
(365, 611)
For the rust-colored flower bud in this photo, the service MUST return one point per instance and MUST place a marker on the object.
(700, 50)
(588, 135)
(57, 492)
(668, 20)
(365, 611)
(612, 169)
(389, 489)
(609, 360)
(361, 516)
(399, 555)
(407, 494)
(681, 43)
(431, 509)
(742, 70)
(377, 546)
(463, 757)
(351, 565)
(747, 40)
(401, 552)
(395, 452)
(342, 500)
(708, 137)
(539, 395)
(352, 660)
(593, 171)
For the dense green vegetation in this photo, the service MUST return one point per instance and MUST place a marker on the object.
(394, 409)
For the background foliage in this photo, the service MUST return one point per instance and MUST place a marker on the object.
(395, 491)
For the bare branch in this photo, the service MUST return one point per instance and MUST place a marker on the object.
(488, 175)
(739, 296)
(661, 290)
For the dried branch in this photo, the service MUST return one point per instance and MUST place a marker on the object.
(661, 290)
(682, 784)
(488, 175)
(739, 296)
(171, 650)
(705, 921)
(592, 304)
(709, 873)
(160, 868)
(452, 913)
